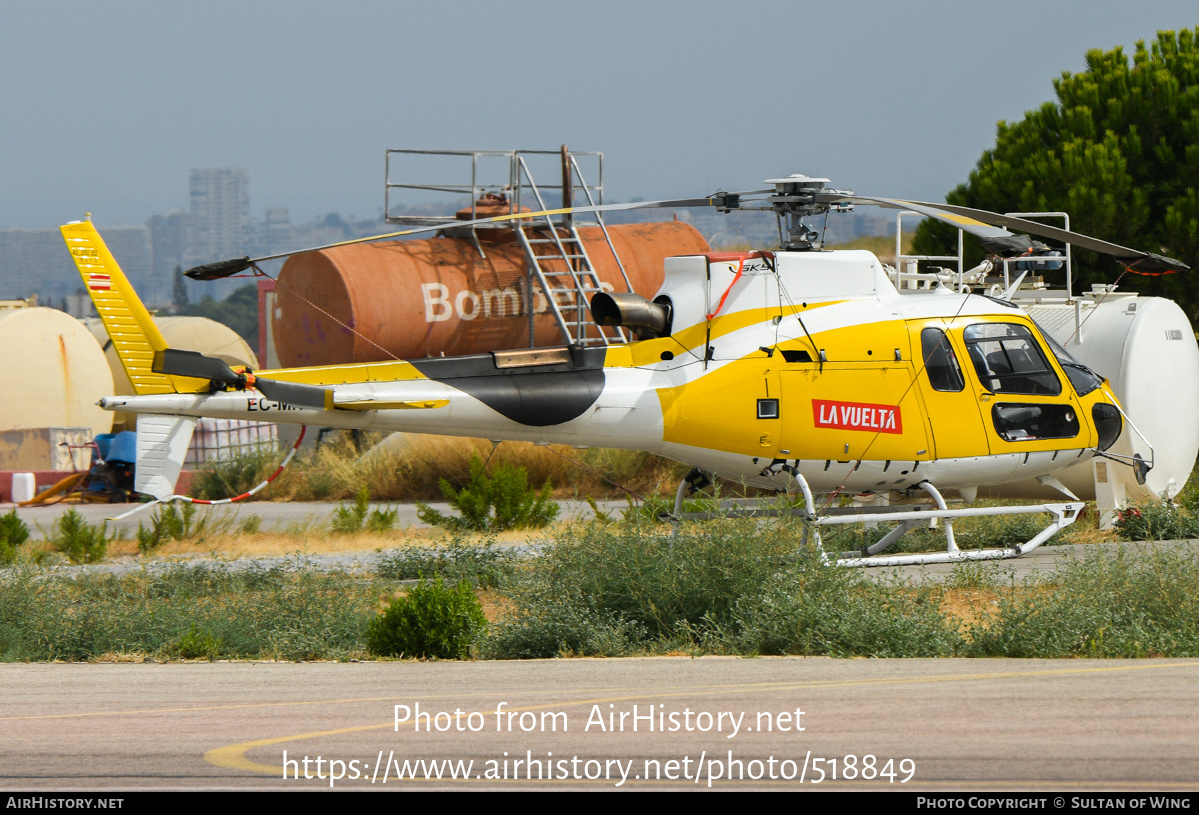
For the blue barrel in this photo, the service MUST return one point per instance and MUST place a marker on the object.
(123, 448)
(104, 442)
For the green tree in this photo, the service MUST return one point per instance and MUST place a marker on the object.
(1118, 151)
(239, 310)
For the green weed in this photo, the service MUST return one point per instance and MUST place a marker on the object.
(493, 503)
(725, 586)
(1163, 520)
(551, 628)
(254, 614)
(196, 644)
(78, 540)
(600, 516)
(484, 565)
(974, 574)
(169, 522)
(233, 476)
(13, 533)
(180, 521)
(657, 508)
(623, 584)
(430, 621)
(1137, 603)
(820, 609)
(350, 520)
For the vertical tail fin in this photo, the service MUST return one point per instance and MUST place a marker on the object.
(162, 443)
(134, 335)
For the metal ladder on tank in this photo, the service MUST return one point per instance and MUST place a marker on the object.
(559, 261)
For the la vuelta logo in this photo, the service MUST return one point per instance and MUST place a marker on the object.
(857, 416)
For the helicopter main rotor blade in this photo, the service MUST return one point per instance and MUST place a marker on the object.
(225, 268)
(1133, 259)
(974, 226)
(220, 269)
(988, 227)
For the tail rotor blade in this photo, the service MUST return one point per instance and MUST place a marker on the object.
(192, 363)
(293, 393)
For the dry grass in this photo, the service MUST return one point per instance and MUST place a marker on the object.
(1085, 529)
(495, 605)
(967, 607)
(412, 470)
(320, 542)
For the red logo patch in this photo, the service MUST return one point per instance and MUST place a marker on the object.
(857, 416)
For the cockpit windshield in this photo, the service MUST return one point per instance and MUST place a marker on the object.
(1081, 377)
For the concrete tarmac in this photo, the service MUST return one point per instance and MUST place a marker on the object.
(275, 515)
(943, 725)
(771, 723)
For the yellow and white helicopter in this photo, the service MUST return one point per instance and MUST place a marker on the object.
(796, 369)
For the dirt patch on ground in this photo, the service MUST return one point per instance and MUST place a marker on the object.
(969, 607)
(495, 605)
(320, 542)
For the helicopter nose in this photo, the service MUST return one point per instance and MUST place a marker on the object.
(1108, 424)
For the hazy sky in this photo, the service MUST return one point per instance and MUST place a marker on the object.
(105, 106)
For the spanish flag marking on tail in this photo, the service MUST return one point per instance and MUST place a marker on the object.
(130, 326)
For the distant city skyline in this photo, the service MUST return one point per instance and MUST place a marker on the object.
(107, 106)
(219, 224)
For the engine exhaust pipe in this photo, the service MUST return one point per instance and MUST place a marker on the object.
(633, 311)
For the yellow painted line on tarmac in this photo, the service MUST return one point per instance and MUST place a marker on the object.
(233, 756)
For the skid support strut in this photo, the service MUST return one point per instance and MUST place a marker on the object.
(1063, 516)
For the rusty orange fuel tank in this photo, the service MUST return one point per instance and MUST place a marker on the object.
(438, 296)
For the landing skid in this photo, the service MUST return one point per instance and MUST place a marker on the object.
(1063, 516)
(909, 518)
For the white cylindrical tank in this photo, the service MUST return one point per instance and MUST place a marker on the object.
(1146, 347)
(53, 372)
(201, 334)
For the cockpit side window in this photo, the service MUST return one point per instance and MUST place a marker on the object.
(1008, 359)
(940, 363)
